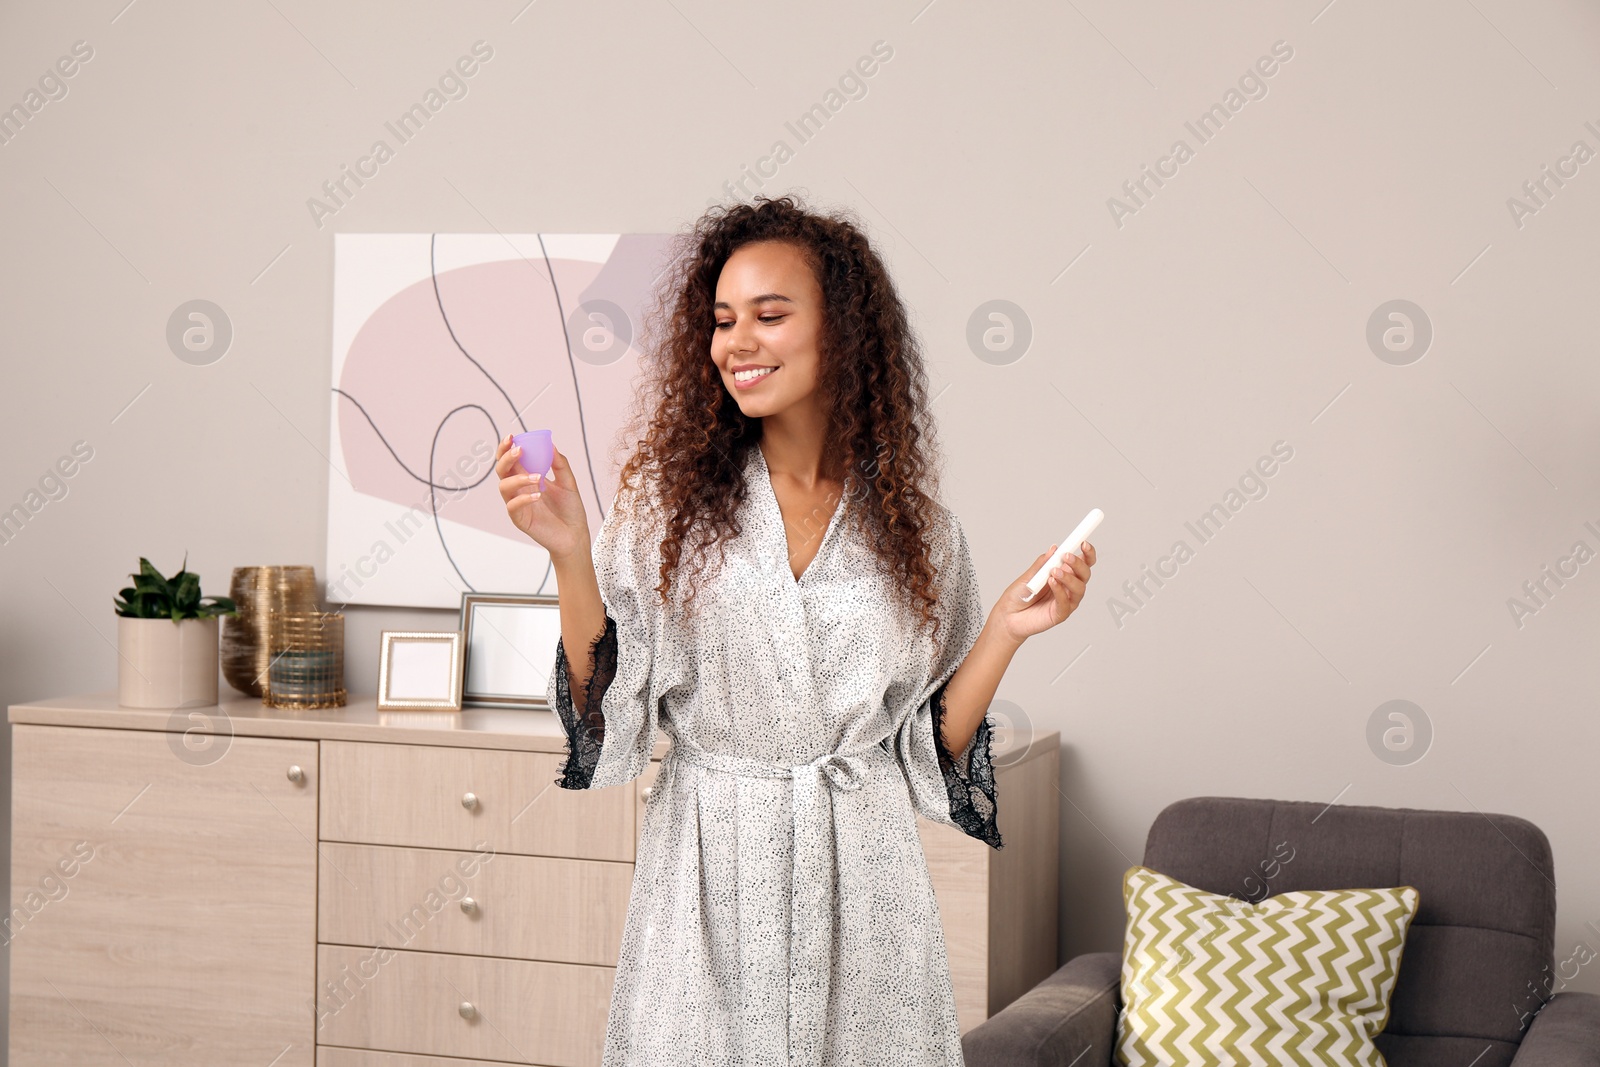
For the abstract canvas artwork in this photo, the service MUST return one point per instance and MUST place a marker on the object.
(443, 344)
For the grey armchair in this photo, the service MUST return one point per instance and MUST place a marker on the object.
(1479, 959)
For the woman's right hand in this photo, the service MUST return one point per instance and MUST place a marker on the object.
(556, 517)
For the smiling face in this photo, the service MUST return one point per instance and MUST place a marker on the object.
(768, 314)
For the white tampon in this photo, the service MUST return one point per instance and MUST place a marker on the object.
(1068, 547)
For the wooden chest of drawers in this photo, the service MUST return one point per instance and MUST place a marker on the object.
(354, 888)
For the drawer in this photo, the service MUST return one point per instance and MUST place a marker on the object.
(473, 1007)
(331, 1056)
(429, 796)
(525, 907)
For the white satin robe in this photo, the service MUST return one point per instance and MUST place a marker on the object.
(781, 913)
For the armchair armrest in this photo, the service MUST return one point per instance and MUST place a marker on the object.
(1067, 1020)
(1565, 1033)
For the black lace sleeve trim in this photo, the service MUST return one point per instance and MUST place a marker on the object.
(585, 727)
(972, 794)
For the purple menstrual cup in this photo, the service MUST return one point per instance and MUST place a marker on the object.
(538, 452)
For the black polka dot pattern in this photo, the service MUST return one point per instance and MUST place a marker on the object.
(781, 911)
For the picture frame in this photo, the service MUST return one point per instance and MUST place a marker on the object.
(419, 669)
(510, 649)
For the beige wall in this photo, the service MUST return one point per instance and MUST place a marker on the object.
(1172, 345)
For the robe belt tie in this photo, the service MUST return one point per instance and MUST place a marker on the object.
(813, 918)
(845, 770)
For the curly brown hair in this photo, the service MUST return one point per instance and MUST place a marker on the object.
(871, 382)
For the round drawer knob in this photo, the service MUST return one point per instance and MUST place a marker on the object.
(649, 791)
(467, 1010)
(296, 774)
(469, 800)
(469, 905)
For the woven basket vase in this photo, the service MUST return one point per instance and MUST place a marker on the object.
(261, 593)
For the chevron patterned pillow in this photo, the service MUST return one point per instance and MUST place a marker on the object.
(1297, 978)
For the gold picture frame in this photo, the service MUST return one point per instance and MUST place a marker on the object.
(420, 669)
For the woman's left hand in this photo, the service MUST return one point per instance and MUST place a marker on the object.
(1060, 596)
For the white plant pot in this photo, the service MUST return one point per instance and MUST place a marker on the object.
(166, 664)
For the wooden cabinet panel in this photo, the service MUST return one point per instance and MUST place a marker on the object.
(1023, 909)
(163, 899)
(521, 1011)
(998, 907)
(958, 867)
(528, 907)
(413, 795)
(332, 1056)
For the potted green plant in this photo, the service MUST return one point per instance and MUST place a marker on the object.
(167, 640)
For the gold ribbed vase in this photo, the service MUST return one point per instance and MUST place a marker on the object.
(260, 593)
(306, 666)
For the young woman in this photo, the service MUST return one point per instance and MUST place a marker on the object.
(823, 679)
